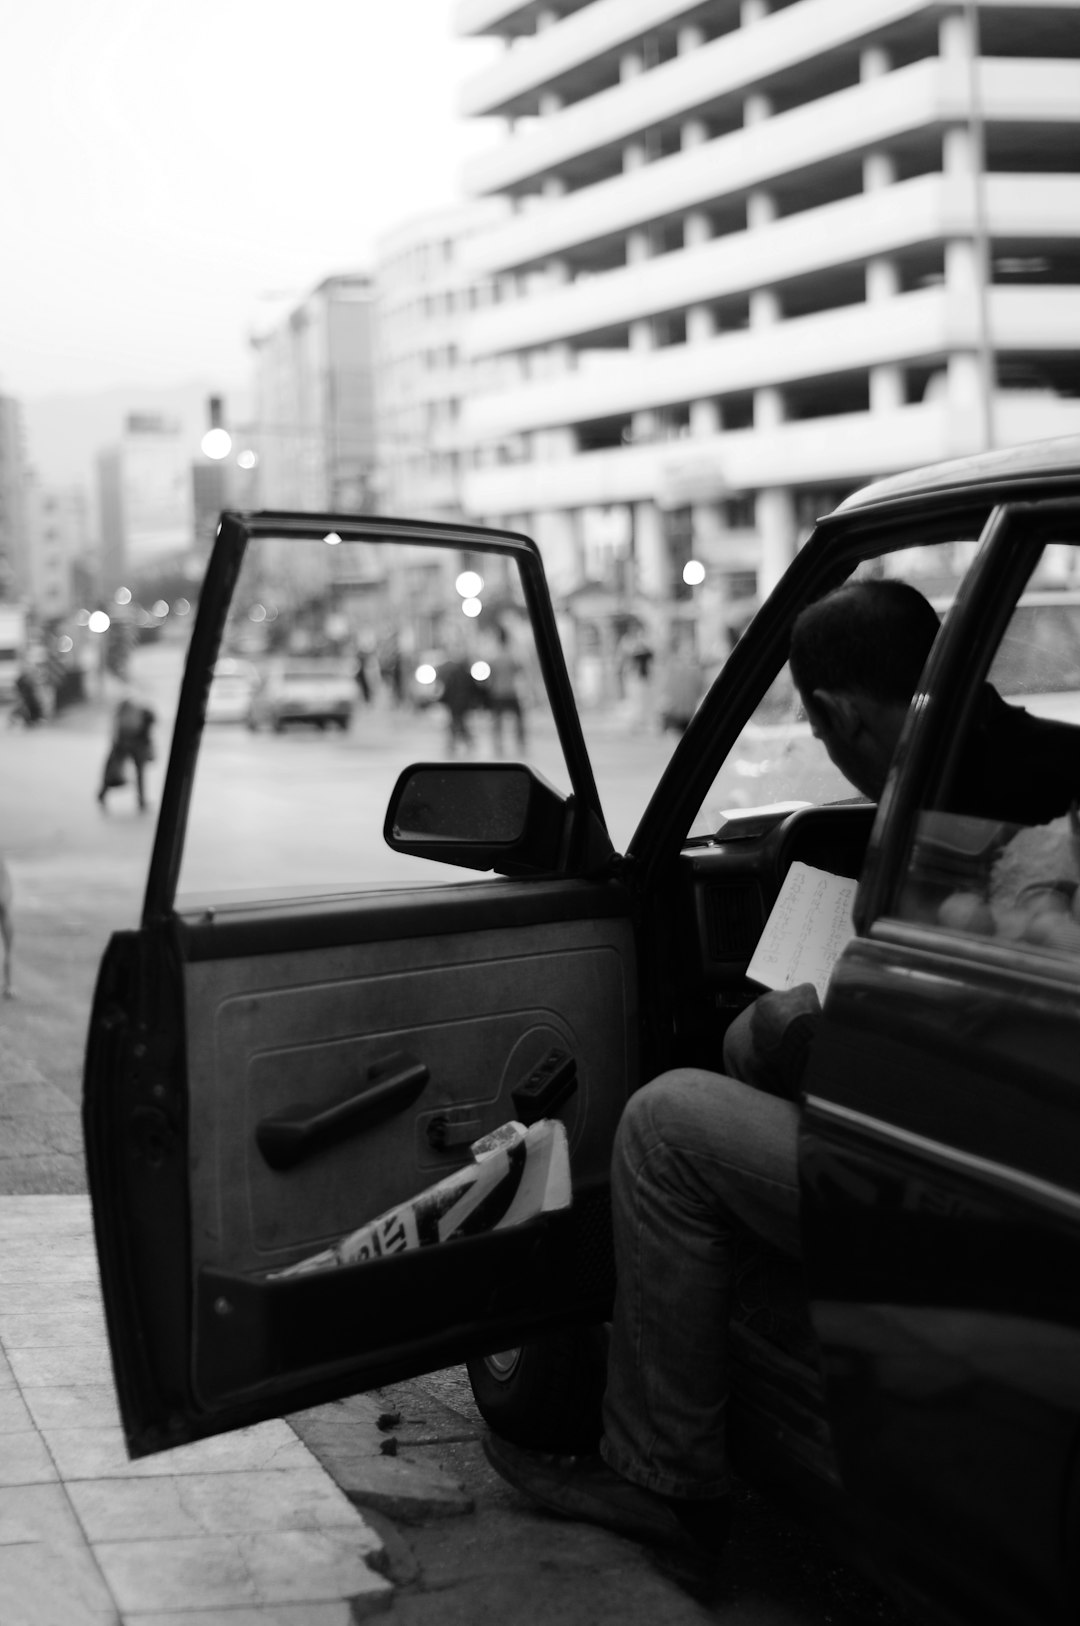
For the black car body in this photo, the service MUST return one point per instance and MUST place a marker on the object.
(931, 1401)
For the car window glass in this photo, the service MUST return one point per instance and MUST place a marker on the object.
(342, 663)
(999, 856)
(776, 759)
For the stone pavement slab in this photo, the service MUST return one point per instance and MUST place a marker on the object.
(246, 1529)
(351, 1440)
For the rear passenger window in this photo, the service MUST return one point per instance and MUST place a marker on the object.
(999, 859)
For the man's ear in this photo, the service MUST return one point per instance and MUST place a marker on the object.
(839, 711)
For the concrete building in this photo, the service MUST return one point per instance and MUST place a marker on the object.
(61, 566)
(313, 431)
(424, 298)
(144, 497)
(14, 475)
(761, 253)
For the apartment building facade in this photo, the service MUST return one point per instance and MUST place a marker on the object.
(14, 476)
(144, 504)
(61, 565)
(425, 296)
(312, 442)
(760, 253)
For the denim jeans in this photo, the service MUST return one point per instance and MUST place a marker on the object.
(696, 1156)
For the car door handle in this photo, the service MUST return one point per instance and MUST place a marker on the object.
(297, 1132)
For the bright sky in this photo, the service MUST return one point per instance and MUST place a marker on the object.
(172, 172)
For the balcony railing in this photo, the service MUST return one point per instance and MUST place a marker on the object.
(927, 96)
(927, 209)
(855, 447)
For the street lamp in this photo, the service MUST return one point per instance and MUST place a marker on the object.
(217, 442)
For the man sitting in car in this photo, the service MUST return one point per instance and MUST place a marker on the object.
(699, 1155)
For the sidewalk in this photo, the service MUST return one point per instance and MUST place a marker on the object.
(244, 1530)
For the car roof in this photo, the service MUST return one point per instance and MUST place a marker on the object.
(1034, 460)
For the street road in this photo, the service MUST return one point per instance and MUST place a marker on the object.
(78, 875)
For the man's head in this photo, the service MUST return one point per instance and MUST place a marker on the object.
(856, 658)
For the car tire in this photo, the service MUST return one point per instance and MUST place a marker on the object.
(545, 1395)
(278, 725)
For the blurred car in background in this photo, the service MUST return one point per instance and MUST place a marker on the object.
(231, 689)
(303, 689)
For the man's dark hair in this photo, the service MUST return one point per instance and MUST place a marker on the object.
(870, 636)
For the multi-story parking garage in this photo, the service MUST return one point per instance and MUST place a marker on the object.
(759, 253)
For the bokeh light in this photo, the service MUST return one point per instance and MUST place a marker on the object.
(216, 443)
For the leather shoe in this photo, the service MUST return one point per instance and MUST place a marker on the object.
(688, 1535)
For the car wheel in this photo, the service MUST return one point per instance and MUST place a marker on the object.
(545, 1395)
(278, 725)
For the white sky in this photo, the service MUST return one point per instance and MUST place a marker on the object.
(166, 165)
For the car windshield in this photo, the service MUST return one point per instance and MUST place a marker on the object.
(1040, 652)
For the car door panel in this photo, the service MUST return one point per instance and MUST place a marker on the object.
(476, 1007)
(479, 1010)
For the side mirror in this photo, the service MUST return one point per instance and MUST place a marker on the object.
(487, 816)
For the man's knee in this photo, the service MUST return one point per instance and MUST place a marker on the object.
(644, 1117)
(673, 1107)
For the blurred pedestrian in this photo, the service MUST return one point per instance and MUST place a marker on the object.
(683, 685)
(391, 668)
(28, 707)
(132, 741)
(504, 691)
(458, 695)
(635, 664)
(363, 682)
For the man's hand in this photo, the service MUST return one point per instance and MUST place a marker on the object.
(774, 1012)
(767, 1045)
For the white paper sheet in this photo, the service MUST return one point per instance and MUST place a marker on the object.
(806, 931)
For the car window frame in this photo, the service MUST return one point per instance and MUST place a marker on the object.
(837, 545)
(234, 532)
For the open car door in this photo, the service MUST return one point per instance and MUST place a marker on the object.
(311, 1027)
